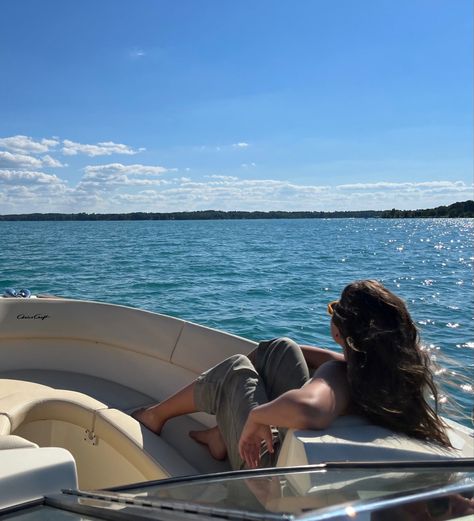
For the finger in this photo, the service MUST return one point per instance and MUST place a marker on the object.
(269, 441)
(243, 444)
(248, 459)
(257, 451)
(251, 456)
(257, 458)
(244, 453)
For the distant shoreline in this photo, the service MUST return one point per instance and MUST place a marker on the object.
(455, 210)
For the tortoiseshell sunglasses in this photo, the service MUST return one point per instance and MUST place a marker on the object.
(331, 307)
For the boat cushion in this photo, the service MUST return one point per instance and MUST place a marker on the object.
(353, 438)
(15, 442)
(5, 425)
(12, 385)
(48, 404)
(143, 448)
(149, 453)
(111, 393)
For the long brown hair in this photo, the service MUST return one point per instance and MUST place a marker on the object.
(388, 372)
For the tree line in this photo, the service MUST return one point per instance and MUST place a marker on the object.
(461, 209)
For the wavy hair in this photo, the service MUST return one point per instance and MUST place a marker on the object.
(389, 374)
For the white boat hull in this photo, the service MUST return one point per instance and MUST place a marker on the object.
(72, 371)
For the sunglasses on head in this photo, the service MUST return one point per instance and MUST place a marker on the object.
(331, 307)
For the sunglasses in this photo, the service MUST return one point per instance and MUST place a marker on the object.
(331, 307)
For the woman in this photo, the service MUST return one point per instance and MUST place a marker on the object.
(383, 374)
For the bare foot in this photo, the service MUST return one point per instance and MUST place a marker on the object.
(150, 418)
(214, 441)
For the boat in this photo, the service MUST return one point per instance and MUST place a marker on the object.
(73, 371)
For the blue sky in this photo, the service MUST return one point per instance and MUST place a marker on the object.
(150, 105)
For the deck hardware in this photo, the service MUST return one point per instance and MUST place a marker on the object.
(90, 437)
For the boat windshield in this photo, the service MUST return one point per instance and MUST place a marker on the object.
(372, 493)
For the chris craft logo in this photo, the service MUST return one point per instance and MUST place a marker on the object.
(37, 316)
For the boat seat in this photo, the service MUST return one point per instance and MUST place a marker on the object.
(148, 453)
(353, 438)
(140, 445)
(10, 386)
(112, 394)
(5, 426)
(117, 396)
(44, 403)
(15, 442)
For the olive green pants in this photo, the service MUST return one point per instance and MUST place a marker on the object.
(231, 389)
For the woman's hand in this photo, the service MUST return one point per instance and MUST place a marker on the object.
(251, 439)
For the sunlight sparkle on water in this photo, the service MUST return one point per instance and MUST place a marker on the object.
(469, 345)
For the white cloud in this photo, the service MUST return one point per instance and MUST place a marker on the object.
(427, 194)
(403, 186)
(115, 176)
(116, 181)
(143, 197)
(119, 168)
(106, 148)
(230, 193)
(223, 177)
(115, 187)
(21, 143)
(22, 177)
(29, 191)
(137, 53)
(51, 162)
(210, 148)
(9, 160)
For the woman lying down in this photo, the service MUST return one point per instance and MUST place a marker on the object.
(382, 374)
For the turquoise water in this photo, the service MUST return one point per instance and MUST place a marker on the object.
(258, 279)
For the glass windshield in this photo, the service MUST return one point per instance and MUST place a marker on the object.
(296, 493)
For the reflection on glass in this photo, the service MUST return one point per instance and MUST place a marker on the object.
(444, 508)
(296, 493)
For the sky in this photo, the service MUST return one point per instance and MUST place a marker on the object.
(180, 105)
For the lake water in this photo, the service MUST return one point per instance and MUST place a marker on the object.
(257, 278)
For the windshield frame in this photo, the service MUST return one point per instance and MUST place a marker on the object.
(380, 464)
(103, 504)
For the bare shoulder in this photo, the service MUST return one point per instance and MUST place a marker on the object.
(327, 393)
(331, 386)
(333, 369)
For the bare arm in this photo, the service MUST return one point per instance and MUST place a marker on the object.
(317, 356)
(314, 356)
(314, 406)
